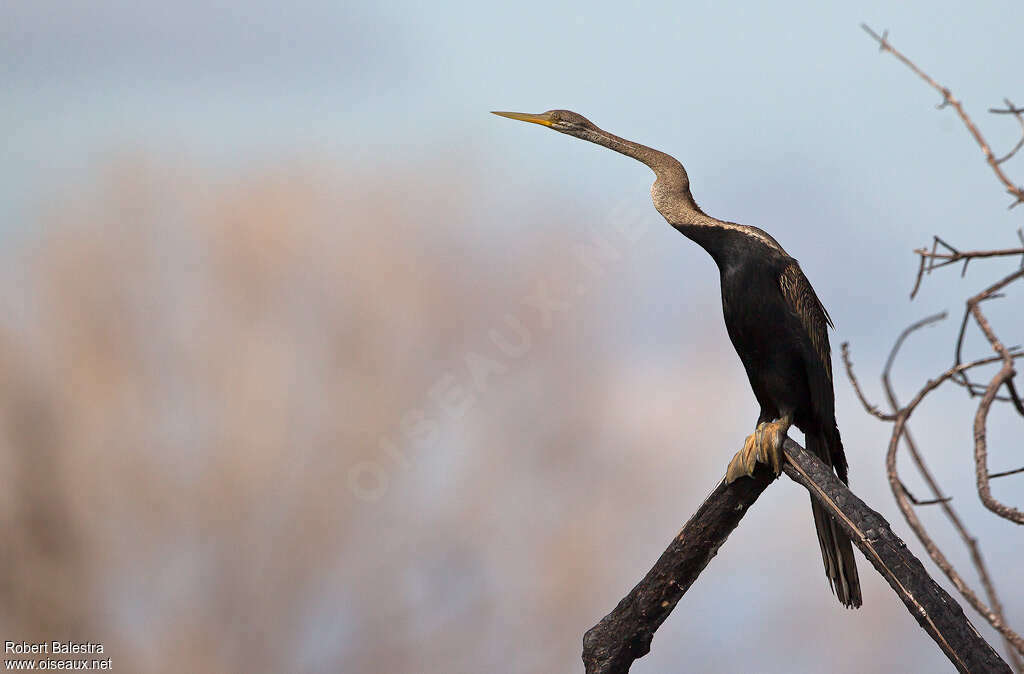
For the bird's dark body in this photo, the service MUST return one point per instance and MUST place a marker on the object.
(788, 369)
(772, 350)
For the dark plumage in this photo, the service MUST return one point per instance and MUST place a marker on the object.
(779, 328)
(776, 323)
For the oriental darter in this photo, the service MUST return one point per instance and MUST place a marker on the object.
(776, 323)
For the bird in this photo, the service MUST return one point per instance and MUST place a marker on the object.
(776, 323)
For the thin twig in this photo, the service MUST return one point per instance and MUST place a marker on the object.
(871, 409)
(1011, 109)
(993, 476)
(917, 282)
(913, 327)
(931, 260)
(962, 378)
(948, 99)
(922, 502)
(950, 258)
(1014, 398)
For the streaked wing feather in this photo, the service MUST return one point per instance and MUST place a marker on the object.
(805, 304)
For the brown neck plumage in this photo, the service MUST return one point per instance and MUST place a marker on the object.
(671, 189)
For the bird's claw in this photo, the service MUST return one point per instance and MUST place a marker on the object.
(764, 445)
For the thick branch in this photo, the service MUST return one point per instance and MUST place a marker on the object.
(625, 634)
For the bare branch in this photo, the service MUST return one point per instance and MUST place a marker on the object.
(993, 476)
(928, 320)
(956, 256)
(961, 378)
(625, 634)
(1004, 376)
(995, 618)
(917, 282)
(934, 259)
(871, 409)
(1014, 398)
(1011, 109)
(923, 502)
(948, 99)
(930, 260)
(995, 613)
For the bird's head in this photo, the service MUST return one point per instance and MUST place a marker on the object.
(671, 190)
(565, 121)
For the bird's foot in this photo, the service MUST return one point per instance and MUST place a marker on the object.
(764, 445)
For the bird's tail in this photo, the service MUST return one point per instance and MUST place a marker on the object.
(836, 548)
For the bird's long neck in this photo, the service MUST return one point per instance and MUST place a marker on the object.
(671, 195)
(671, 189)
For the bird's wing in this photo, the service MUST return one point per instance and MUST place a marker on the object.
(808, 308)
(800, 297)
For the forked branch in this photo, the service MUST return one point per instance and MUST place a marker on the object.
(625, 634)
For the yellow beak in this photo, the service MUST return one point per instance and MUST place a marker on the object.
(543, 119)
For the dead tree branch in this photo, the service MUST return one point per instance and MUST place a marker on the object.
(1004, 376)
(625, 634)
(1011, 109)
(993, 612)
(996, 610)
(948, 99)
(940, 255)
(934, 259)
